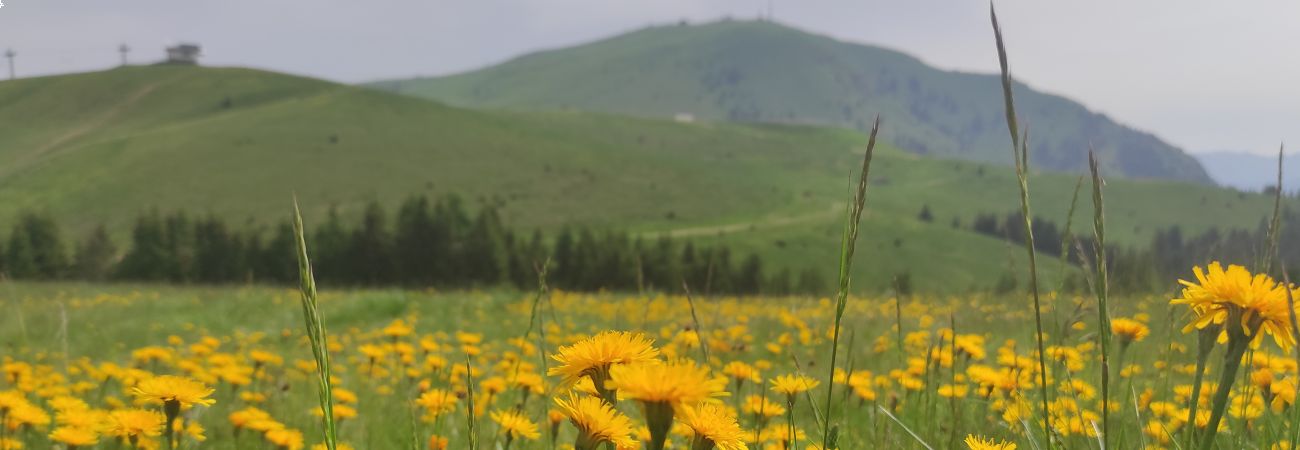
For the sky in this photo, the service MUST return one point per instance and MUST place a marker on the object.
(1204, 75)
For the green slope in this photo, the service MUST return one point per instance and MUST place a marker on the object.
(761, 71)
(102, 147)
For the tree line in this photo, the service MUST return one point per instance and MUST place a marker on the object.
(425, 243)
(1156, 265)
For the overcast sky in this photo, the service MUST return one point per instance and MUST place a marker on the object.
(1203, 74)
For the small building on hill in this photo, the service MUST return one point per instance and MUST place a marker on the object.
(183, 54)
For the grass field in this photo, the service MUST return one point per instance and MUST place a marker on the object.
(390, 346)
(237, 143)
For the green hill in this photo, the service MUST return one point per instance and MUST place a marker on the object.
(765, 72)
(103, 147)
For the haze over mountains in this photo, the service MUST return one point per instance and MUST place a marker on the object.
(761, 71)
(1251, 172)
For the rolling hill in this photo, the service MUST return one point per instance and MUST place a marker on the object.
(765, 72)
(237, 143)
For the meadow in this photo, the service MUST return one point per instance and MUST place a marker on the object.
(393, 348)
(1207, 363)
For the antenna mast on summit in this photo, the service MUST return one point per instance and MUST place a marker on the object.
(10, 55)
(123, 49)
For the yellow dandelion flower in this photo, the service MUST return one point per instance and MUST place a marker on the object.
(793, 384)
(974, 442)
(759, 405)
(515, 425)
(169, 388)
(1129, 330)
(437, 402)
(714, 426)
(593, 357)
(741, 372)
(597, 422)
(74, 436)
(1247, 305)
(285, 438)
(131, 424)
(674, 383)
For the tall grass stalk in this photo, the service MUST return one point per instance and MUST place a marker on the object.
(1102, 291)
(315, 332)
(848, 244)
(905, 428)
(1294, 427)
(1274, 225)
(1020, 153)
(472, 419)
(699, 330)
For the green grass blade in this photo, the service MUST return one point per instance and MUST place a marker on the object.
(1102, 291)
(1020, 153)
(847, 247)
(315, 331)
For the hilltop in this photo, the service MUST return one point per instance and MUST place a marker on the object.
(765, 72)
(237, 143)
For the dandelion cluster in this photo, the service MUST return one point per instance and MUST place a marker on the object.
(413, 378)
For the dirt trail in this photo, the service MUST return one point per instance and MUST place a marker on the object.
(768, 222)
(80, 130)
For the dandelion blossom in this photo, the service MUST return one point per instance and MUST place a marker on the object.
(1129, 330)
(593, 357)
(169, 388)
(74, 437)
(132, 424)
(793, 384)
(1245, 304)
(714, 426)
(597, 422)
(664, 387)
(675, 383)
(974, 442)
(515, 425)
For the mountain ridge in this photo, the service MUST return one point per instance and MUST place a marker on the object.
(766, 72)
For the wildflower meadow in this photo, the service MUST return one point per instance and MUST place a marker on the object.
(1211, 363)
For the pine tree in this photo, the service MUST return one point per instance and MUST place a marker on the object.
(278, 262)
(749, 280)
(484, 258)
(216, 252)
(564, 272)
(178, 243)
(330, 245)
(146, 259)
(414, 248)
(94, 256)
(370, 249)
(36, 249)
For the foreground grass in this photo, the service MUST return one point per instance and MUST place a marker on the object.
(391, 345)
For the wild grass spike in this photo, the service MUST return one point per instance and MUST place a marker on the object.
(1020, 153)
(1102, 291)
(315, 331)
(848, 244)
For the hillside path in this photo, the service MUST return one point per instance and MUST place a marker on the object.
(767, 222)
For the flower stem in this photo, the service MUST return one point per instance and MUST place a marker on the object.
(1231, 362)
(1204, 345)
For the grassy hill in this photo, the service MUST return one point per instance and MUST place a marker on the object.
(765, 72)
(103, 147)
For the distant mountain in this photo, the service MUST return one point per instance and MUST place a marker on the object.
(1251, 172)
(766, 72)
